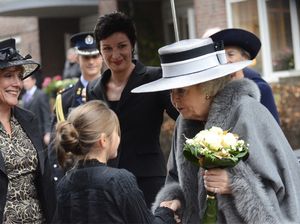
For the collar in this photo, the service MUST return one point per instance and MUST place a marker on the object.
(31, 91)
(227, 99)
(89, 163)
(83, 81)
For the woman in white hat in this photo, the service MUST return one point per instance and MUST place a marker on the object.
(27, 191)
(262, 189)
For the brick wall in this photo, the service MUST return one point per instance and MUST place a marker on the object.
(209, 14)
(27, 29)
(287, 96)
(106, 6)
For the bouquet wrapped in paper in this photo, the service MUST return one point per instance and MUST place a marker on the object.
(215, 148)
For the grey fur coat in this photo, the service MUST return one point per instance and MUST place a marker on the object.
(265, 187)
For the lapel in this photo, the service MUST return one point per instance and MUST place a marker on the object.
(98, 90)
(132, 82)
(76, 94)
(33, 98)
(2, 165)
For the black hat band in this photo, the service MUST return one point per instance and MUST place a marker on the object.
(193, 53)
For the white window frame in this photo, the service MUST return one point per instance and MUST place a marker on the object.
(268, 73)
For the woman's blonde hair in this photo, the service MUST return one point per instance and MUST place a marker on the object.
(83, 128)
(212, 87)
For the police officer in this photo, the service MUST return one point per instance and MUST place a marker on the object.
(90, 62)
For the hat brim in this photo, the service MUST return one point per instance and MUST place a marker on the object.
(191, 79)
(240, 38)
(87, 52)
(29, 66)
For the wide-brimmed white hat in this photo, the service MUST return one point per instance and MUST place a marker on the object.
(189, 62)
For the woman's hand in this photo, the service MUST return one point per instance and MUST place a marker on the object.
(216, 180)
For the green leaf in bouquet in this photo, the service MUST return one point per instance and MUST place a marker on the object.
(209, 162)
(189, 155)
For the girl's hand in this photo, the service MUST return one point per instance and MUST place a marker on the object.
(173, 204)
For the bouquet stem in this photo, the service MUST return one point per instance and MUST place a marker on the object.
(210, 215)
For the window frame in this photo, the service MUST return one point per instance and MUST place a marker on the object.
(267, 69)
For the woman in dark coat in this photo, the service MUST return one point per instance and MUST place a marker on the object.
(27, 192)
(92, 192)
(140, 116)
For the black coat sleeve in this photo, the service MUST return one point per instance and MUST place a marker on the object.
(132, 205)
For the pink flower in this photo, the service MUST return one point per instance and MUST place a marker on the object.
(46, 82)
(57, 78)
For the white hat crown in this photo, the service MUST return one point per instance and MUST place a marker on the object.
(189, 62)
(190, 56)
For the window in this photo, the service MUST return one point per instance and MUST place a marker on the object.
(276, 23)
(278, 12)
(248, 20)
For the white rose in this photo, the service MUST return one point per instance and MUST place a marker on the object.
(201, 136)
(213, 140)
(216, 130)
(189, 141)
(229, 140)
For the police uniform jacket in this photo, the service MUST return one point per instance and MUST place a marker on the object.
(71, 98)
(44, 182)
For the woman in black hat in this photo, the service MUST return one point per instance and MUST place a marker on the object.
(27, 193)
(242, 45)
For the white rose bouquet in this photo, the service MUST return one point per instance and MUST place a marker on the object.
(215, 148)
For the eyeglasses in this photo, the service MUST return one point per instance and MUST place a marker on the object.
(10, 54)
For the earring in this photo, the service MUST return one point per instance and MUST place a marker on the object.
(207, 97)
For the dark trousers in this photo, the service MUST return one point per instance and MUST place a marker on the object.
(150, 187)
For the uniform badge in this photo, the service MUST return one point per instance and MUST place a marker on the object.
(89, 40)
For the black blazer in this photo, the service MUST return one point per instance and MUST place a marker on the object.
(141, 117)
(39, 105)
(44, 183)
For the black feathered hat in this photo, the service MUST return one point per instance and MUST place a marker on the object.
(10, 57)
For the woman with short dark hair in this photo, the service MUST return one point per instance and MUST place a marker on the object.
(140, 116)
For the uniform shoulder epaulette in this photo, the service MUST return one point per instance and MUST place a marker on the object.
(65, 89)
(59, 107)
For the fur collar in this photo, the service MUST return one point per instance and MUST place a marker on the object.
(226, 100)
(190, 177)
